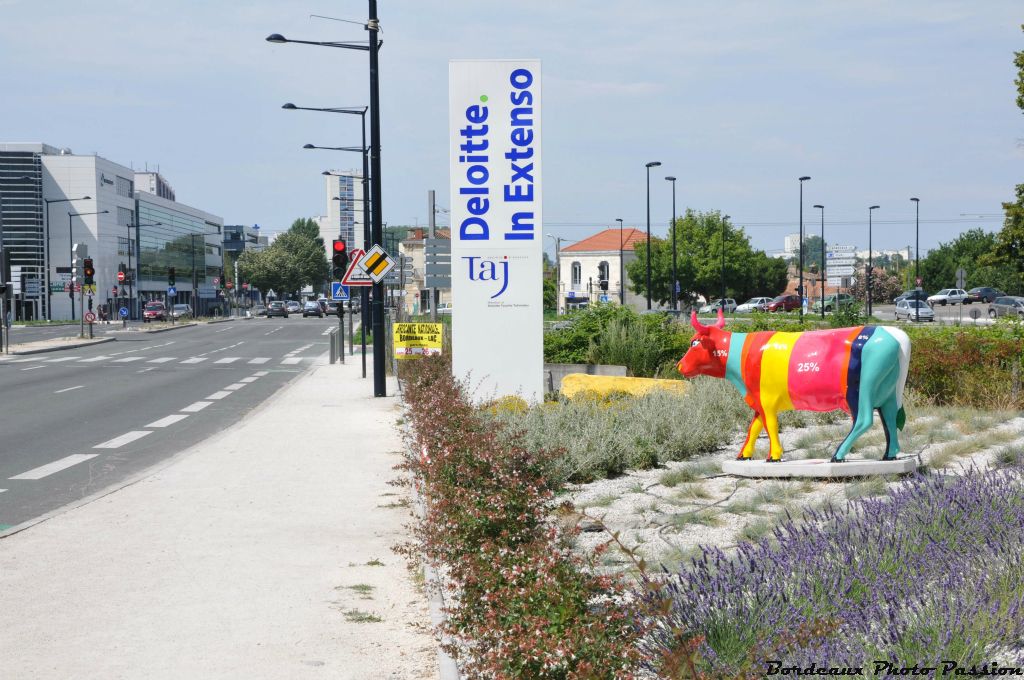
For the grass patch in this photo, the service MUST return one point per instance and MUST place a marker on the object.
(672, 478)
(757, 529)
(704, 519)
(689, 492)
(601, 501)
(867, 488)
(395, 504)
(358, 616)
(969, 445)
(375, 563)
(364, 590)
(1010, 456)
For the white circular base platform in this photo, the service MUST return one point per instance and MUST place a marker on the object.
(820, 468)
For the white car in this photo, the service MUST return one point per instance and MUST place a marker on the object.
(757, 304)
(948, 296)
(912, 310)
(444, 308)
(729, 306)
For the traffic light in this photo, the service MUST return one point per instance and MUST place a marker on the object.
(604, 284)
(88, 271)
(340, 259)
(170, 276)
(221, 278)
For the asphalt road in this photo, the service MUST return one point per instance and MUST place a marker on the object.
(77, 421)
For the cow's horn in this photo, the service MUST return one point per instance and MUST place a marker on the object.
(697, 326)
(721, 319)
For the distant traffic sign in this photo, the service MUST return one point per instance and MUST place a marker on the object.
(338, 291)
(123, 312)
(376, 263)
(171, 290)
(89, 317)
(355, 276)
(120, 277)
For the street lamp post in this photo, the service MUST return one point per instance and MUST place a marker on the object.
(652, 164)
(824, 265)
(71, 256)
(46, 258)
(917, 254)
(622, 267)
(725, 219)
(672, 233)
(871, 268)
(800, 284)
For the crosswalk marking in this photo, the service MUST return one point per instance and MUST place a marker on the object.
(169, 420)
(196, 407)
(218, 395)
(291, 360)
(259, 360)
(260, 374)
(55, 466)
(251, 378)
(194, 360)
(99, 358)
(60, 359)
(227, 360)
(161, 360)
(25, 361)
(126, 360)
(235, 386)
(68, 389)
(126, 438)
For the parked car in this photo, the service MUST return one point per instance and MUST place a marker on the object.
(834, 302)
(754, 304)
(277, 308)
(154, 311)
(1008, 305)
(984, 294)
(259, 310)
(444, 308)
(948, 296)
(911, 295)
(323, 304)
(332, 307)
(312, 308)
(728, 306)
(182, 311)
(293, 306)
(912, 310)
(784, 303)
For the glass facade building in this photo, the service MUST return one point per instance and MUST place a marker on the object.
(21, 223)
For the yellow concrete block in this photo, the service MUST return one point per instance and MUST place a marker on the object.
(603, 385)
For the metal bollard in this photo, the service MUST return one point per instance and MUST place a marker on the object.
(334, 344)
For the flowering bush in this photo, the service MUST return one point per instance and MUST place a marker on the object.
(930, 573)
(525, 606)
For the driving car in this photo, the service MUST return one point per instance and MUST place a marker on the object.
(754, 304)
(784, 303)
(910, 295)
(1008, 305)
(332, 307)
(714, 305)
(833, 302)
(293, 307)
(914, 310)
(154, 311)
(948, 296)
(312, 308)
(259, 310)
(277, 308)
(181, 311)
(984, 294)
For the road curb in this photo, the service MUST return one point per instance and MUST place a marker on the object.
(57, 348)
(160, 330)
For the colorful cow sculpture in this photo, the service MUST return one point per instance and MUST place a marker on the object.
(857, 370)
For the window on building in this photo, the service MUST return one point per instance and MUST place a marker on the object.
(125, 216)
(124, 246)
(602, 271)
(125, 187)
(577, 273)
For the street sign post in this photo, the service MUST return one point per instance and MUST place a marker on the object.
(961, 277)
(123, 312)
(338, 291)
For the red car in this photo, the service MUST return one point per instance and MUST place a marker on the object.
(784, 303)
(154, 311)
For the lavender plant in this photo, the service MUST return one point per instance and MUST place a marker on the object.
(930, 573)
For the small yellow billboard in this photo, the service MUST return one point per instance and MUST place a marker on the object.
(417, 339)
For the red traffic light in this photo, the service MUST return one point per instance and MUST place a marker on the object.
(339, 246)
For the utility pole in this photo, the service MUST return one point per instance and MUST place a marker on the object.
(379, 378)
(431, 209)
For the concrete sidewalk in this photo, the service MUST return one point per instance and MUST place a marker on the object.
(264, 552)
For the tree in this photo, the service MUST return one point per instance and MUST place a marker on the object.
(308, 256)
(295, 259)
(884, 287)
(699, 247)
(973, 251)
(308, 228)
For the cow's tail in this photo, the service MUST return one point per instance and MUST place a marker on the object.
(904, 343)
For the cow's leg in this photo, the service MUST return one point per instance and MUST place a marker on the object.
(771, 423)
(887, 412)
(861, 424)
(753, 431)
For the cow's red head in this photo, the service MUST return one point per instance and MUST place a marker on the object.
(709, 349)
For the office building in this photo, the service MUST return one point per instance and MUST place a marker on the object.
(344, 209)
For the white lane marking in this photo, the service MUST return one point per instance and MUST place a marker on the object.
(259, 360)
(291, 360)
(32, 368)
(68, 389)
(251, 378)
(126, 360)
(25, 361)
(161, 360)
(2, 490)
(126, 438)
(224, 329)
(146, 370)
(169, 420)
(194, 360)
(260, 374)
(56, 466)
(196, 407)
(235, 386)
(60, 359)
(102, 357)
(218, 395)
(227, 360)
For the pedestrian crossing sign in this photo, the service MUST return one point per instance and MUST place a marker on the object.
(338, 291)
(356, 276)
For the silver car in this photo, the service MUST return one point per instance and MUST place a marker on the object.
(293, 307)
(913, 310)
(1008, 305)
(949, 296)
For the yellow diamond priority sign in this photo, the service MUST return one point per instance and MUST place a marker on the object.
(376, 263)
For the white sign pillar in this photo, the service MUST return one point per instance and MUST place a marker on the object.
(496, 226)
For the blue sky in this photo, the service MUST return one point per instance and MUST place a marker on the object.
(876, 101)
